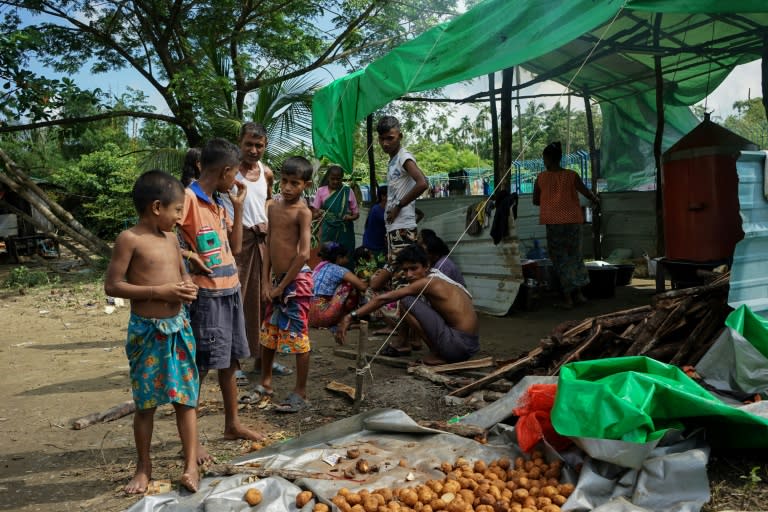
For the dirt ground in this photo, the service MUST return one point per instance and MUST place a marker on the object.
(62, 358)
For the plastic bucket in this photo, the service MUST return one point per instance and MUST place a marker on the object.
(624, 274)
(602, 282)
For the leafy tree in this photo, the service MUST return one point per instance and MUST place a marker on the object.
(749, 121)
(99, 189)
(204, 58)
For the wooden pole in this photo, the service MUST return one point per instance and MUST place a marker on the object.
(764, 69)
(519, 115)
(660, 246)
(494, 129)
(505, 160)
(594, 163)
(360, 376)
(371, 160)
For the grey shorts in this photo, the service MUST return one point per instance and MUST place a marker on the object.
(219, 329)
(451, 344)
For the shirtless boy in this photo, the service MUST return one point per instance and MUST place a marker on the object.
(287, 283)
(447, 321)
(211, 240)
(146, 267)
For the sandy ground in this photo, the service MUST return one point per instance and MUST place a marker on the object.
(63, 358)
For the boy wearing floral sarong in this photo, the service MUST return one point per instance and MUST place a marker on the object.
(147, 268)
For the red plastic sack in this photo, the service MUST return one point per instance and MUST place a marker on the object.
(534, 423)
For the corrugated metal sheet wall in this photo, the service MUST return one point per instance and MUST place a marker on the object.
(749, 274)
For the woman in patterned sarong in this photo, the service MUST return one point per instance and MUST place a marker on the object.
(335, 286)
(556, 193)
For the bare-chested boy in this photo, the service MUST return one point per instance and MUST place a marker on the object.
(146, 267)
(211, 239)
(287, 283)
(446, 321)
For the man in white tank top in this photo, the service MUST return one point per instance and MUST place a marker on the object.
(258, 179)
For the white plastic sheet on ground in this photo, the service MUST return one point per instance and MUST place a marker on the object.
(733, 363)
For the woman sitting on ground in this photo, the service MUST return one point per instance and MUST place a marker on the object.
(335, 286)
(438, 252)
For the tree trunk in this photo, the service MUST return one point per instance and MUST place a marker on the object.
(374, 195)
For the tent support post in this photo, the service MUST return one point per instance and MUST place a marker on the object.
(594, 164)
(505, 160)
(494, 129)
(660, 249)
(371, 160)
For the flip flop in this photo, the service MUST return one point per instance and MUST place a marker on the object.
(256, 395)
(241, 378)
(391, 351)
(293, 403)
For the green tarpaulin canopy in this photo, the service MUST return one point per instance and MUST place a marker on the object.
(700, 42)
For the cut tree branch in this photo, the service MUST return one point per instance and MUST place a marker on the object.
(68, 121)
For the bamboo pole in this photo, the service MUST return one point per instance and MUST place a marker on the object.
(360, 375)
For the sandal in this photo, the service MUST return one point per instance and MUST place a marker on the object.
(256, 395)
(241, 378)
(391, 351)
(293, 403)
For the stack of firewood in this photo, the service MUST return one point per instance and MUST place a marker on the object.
(677, 328)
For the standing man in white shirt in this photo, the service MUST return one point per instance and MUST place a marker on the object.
(258, 179)
(405, 183)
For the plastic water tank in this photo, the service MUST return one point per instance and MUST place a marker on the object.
(700, 193)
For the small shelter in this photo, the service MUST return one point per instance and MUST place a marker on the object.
(644, 61)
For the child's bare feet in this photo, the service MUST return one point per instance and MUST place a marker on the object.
(202, 455)
(238, 431)
(140, 480)
(190, 479)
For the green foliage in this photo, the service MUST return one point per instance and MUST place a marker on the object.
(22, 277)
(101, 184)
(749, 121)
(752, 478)
(206, 59)
(443, 158)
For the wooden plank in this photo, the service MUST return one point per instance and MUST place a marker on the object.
(395, 362)
(498, 374)
(340, 387)
(484, 362)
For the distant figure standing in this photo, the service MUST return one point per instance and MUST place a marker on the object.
(146, 267)
(556, 193)
(336, 205)
(375, 234)
(191, 170)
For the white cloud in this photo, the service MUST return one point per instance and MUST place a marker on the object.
(743, 82)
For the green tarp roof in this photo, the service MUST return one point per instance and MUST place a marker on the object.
(700, 41)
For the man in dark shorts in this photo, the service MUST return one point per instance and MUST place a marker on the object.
(438, 309)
